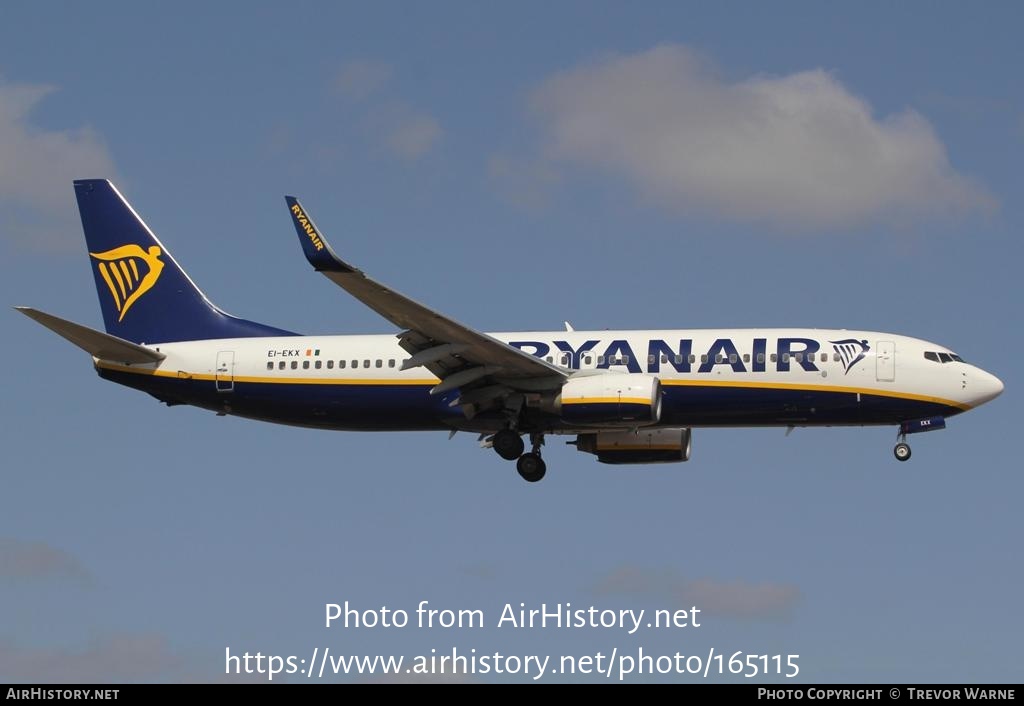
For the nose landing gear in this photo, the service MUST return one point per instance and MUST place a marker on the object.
(914, 426)
(902, 451)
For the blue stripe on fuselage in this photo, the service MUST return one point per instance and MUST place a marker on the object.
(713, 405)
(369, 407)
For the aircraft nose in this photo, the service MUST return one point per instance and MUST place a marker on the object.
(985, 386)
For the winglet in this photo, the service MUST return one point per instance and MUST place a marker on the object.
(315, 247)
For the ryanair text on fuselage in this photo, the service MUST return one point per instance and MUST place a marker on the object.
(722, 352)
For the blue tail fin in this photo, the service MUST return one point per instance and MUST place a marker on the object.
(145, 296)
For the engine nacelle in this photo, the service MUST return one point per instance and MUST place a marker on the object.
(644, 446)
(614, 399)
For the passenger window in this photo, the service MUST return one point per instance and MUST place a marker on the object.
(664, 358)
(280, 366)
(704, 358)
(565, 359)
(785, 357)
(391, 362)
(550, 359)
(799, 357)
(270, 365)
(746, 357)
(774, 357)
(305, 365)
(295, 365)
(835, 357)
(380, 363)
(355, 363)
(719, 358)
(760, 357)
(317, 365)
(732, 358)
(366, 362)
(341, 364)
(650, 360)
(824, 357)
(624, 360)
(330, 365)
(588, 359)
(693, 358)
(600, 360)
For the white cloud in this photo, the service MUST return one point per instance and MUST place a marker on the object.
(37, 167)
(797, 151)
(413, 135)
(21, 560)
(115, 659)
(356, 80)
(524, 182)
(123, 657)
(392, 123)
(735, 599)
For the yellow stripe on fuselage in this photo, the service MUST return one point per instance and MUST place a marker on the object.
(184, 374)
(589, 400)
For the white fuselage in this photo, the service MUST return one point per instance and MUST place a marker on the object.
(709, 376)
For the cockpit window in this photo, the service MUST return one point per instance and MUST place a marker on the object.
(940, 357)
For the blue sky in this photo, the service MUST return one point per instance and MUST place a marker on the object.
(676, 165)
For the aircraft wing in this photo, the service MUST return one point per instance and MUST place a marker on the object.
(460, 356)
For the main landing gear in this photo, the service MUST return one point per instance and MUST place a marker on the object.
(531, 467)
(510, 446)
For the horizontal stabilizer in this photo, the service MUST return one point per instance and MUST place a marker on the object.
(100, 345)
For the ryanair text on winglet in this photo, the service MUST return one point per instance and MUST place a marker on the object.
(314, 237)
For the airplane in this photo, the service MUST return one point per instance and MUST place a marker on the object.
(628, 397)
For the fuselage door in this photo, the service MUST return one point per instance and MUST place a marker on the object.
(885, 361)
(225, 371)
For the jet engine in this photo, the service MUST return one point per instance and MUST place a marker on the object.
(611, 400)
(643, 446)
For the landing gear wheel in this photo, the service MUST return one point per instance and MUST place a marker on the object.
(902, 451)
(531, 467)
(508, 444)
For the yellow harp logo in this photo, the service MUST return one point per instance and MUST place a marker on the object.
(120, 269)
